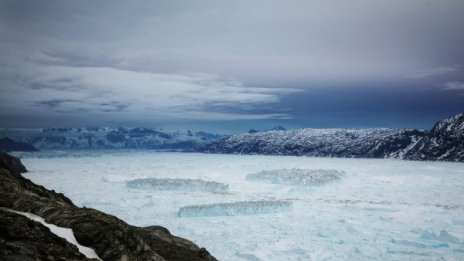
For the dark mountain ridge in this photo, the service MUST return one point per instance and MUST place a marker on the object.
(8, 145)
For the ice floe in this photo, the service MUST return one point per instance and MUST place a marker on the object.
(235, 208)
(296, 177)
(178, 184)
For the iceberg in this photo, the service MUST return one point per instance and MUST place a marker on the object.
(296, 177)
(196, 185)
(235, 208)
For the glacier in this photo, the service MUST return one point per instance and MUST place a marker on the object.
(296, 177)
(178, 184)
(234, 208)
(379, 209)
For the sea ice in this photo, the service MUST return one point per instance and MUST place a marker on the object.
(354, 218)
(444, 236)
(296, 177)
(235, 208)
(196, 185)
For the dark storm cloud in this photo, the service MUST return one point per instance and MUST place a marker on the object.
(159, 61)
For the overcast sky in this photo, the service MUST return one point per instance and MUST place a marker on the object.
(231, 65)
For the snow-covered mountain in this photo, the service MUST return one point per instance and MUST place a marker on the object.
(360, 143)
(108, 138)
(444, 142)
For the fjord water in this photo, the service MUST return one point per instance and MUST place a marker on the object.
(380, 209)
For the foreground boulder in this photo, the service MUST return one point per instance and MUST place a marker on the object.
(24, 239)
(110, 237)
(11, 163)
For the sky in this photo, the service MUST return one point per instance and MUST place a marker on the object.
(228, 66)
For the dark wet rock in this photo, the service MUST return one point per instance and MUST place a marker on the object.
(110, 237)
(11, 163)
(177, 248)
(7, 144)
(25, 239)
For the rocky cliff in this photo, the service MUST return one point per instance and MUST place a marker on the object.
(444, 142)
(110, 237)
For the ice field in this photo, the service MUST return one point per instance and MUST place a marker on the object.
(272, 207)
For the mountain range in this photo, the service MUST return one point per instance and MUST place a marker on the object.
(109, 138)
(445, 141)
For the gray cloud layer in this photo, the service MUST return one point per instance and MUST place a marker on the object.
(155, 61)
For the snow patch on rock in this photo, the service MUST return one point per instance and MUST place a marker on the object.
(62, 232)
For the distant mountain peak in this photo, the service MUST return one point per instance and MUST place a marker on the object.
(278, 128)
(452, 124)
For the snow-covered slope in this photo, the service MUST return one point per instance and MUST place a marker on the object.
(444, 142)
(108, 138)
(361, 143)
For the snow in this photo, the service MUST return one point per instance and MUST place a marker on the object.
(414, 141)
(62, 232)
(379, 209)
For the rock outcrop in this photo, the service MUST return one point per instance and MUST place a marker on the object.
(110, 237)
(11, 163)
(24, 239)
